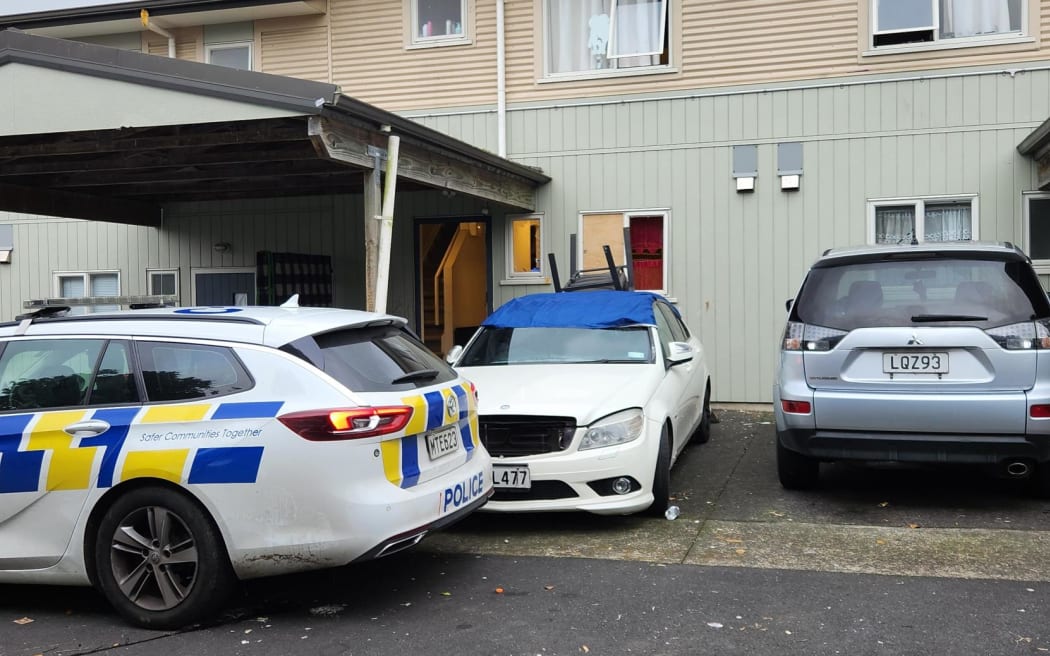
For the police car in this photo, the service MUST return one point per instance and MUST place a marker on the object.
(162, 454)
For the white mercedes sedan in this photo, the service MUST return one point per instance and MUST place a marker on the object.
(586, 400)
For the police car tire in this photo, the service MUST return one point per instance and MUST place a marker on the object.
(662, 476)
(213, 579)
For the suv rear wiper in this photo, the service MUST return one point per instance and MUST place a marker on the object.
(947, 317)
(422, 374)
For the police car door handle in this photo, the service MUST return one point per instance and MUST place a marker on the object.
(92, 426)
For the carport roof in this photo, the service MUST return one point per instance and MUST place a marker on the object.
(273, 136)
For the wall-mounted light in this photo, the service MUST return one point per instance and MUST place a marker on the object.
(7, 243)
(789, 165)
(5, 255)
(221, 246)
(745, 167)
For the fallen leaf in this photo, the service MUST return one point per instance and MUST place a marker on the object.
(741, 552)
(446, 594)
(880, 542)
(499, 590)
(884, 504)
(734, 541)
(585, 649)
(913, 525)
(548, 587)
(24, 620)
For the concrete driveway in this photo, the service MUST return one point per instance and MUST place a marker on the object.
(918, 521)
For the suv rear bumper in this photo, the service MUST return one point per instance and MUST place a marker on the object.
(916, 447)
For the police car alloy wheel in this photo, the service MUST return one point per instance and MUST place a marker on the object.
(159, 560)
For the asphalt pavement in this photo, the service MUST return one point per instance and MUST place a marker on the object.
(879, 560)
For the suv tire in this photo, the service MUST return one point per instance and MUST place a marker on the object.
(796, 471)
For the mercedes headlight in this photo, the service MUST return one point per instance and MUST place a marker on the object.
(617, 428)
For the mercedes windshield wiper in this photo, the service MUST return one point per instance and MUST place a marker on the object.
(422, 374)
(946, 317)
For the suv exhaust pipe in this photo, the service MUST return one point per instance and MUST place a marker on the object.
(1018, 469)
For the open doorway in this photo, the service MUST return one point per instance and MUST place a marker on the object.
(453, 273)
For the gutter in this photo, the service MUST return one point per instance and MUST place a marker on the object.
(501, 81)
(124, 11)
(347, 106)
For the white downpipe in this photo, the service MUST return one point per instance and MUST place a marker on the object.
(501, 81)
(157, 29)
(386, 224)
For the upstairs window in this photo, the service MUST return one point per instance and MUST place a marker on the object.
(906, 22)
(229, 44)
(437, 22)
(589, 36)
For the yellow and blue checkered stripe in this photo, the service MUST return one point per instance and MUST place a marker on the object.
(69, 467)
(429, 411)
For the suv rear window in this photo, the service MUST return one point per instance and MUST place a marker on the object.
(380, 359)
(914, 292)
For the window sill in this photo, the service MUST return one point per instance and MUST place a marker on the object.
(606, 74)
(949, 44)
(510, 282)
(440, 43)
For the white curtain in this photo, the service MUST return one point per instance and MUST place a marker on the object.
(894, 225)
(579, 34)
(638, 24)
(960, 18)
(948, 223)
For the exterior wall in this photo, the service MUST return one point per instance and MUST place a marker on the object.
(735, 258)
(295, 47)
(715, 43)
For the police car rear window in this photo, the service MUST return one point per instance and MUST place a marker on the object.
(378, 359)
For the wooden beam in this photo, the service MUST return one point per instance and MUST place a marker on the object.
(50, 202)
(109, 141)
(147, 176)
(416, 162)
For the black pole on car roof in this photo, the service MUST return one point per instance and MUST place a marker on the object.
(554, 272)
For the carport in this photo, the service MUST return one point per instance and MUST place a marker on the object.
(97, 133)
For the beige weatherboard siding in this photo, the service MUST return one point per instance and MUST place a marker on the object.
(714, 43)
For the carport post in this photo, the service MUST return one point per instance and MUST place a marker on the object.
(386, 224)
(373, 208)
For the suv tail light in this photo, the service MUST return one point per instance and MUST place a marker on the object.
(804, 337)
(347, 424)
(1021, 336)
(796, 407)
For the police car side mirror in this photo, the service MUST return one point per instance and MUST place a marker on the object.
(453, 354)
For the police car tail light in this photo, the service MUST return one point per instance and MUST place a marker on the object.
(348, 424)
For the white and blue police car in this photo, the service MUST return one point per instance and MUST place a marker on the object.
(163, 454)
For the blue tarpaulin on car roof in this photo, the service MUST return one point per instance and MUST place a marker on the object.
(597, 309)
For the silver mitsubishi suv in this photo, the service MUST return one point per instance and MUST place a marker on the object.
(935, 353)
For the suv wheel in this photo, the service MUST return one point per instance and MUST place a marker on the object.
(796, 471)
(160, 561)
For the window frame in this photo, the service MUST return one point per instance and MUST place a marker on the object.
(1042, 267)
(209, 48)
(86, 276)
(413, 42)
(1029, 17)
(671, 19)
(149, 280)
(663, 212)
(522, 277)
(612, 32)
(918, 203)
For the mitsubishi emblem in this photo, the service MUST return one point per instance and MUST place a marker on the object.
(914, 341)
